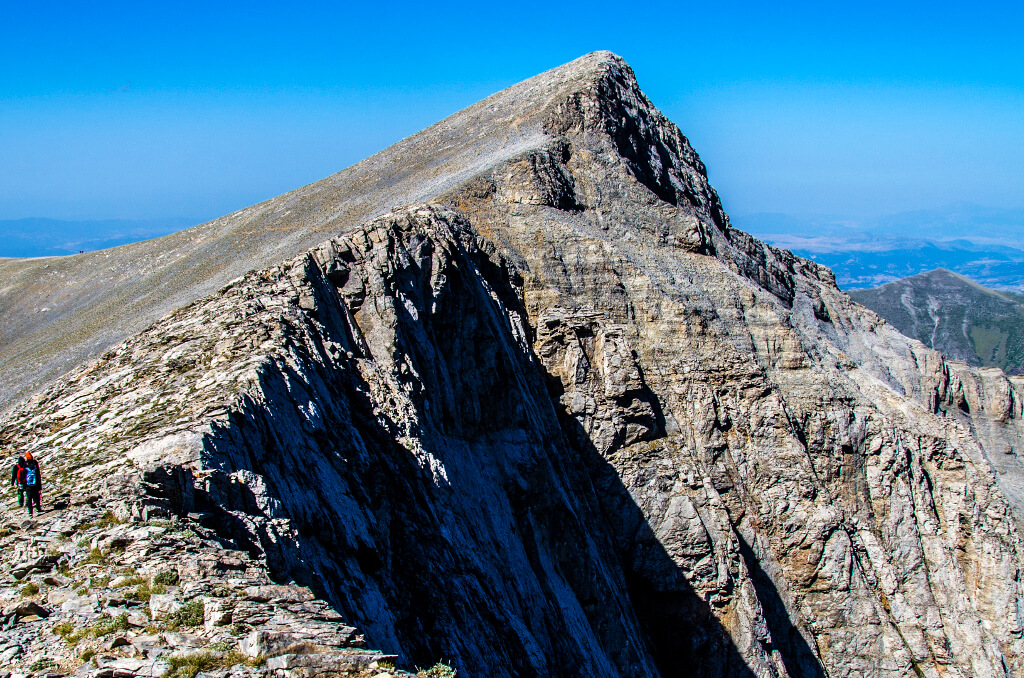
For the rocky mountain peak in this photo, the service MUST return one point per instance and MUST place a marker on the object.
(512, 394)
(62, 311)
(954, 315)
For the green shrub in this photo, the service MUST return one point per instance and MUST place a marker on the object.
(87, 655)
(190, 614)
(64, 628)
(109, 520)
(234, 658)
(107, 625)
(96, 557)
(133, 581)
(29, 589)
(187, 666)
(438, 670)
(104, 626)
(67, 631)
(143, 591)
(42, 664)
(167, 577)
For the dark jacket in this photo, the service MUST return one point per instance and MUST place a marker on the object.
(31, 465)
(16, 471)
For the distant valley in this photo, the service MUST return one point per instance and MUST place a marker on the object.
(36, 237)
(983, 244)
(951, 277)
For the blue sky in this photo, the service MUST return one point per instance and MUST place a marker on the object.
(193, 110)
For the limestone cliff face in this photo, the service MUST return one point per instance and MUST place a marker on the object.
(563, 420)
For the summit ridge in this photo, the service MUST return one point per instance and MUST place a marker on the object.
(525, 402)
(61, 311)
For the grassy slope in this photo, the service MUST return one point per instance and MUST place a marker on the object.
(954, 315)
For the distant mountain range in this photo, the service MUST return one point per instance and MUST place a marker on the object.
(37, 237)
(984, 244)
(509, 394)
(954, 315)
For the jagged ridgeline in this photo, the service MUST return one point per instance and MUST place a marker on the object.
(511, 394)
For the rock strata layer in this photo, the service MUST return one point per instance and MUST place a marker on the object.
(558, 420)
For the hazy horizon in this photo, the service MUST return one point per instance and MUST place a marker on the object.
(117, 111)
(863, 252)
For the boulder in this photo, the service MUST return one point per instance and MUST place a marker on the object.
(28, 608)
(162, 605)
(308, 665)
(60, 596)
(273, 644)
(217, 612)
(288, 594)
(10, 654)
(138, 619)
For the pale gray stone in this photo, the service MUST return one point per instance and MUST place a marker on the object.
(162, 605)
(528, 396)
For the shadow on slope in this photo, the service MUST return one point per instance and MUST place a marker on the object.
(434, 497)
(686, 638)
(800, 660)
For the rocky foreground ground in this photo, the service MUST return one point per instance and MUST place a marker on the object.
(555, 417)
(87, 593)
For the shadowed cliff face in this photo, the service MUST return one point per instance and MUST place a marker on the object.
(564, 420)
(440, 496)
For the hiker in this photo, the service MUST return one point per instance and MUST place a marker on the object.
(32, 481)
(16, 479)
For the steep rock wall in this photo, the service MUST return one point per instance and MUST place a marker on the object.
(777, 436)
(567, 421)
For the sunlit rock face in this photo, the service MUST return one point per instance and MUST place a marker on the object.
(554, 418)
